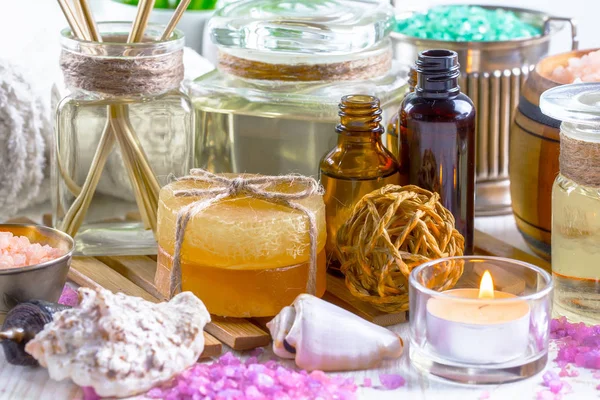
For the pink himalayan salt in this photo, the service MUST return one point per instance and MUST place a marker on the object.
(586, 68)
(18, 251)
(229, 378)
(367, 382)
(485, 395)
(68, 297)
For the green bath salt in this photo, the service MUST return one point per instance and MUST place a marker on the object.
(467, 24)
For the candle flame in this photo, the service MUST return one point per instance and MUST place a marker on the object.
(486, 287)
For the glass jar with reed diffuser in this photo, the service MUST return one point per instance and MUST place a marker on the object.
(271, 105)
(123, 126)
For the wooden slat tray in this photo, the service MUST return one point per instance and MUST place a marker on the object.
(134, 275)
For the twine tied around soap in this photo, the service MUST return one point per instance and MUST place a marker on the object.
(222, 187)
(579, 160)
(123, 76)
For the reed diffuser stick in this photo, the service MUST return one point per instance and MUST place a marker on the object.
(141, 20)
(89, 20)
(183, 5)
(77, 10)
(72, 20)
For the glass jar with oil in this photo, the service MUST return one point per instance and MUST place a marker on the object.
(576, 201)
(270, 107)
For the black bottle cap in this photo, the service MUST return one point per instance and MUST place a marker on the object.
(437, 71)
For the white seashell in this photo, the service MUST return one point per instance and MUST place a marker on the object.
(329, 338)
(121, 345)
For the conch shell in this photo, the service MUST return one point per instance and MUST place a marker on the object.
(121, 345)
(320, 335)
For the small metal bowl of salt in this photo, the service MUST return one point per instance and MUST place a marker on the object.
(34, 262)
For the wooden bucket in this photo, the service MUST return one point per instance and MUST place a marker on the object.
(534, 148)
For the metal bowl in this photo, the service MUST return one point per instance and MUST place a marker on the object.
(43, 281)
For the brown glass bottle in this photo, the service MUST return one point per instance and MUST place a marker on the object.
(357, 165)
(437, 135)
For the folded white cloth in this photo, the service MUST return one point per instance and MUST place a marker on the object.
(25, 132)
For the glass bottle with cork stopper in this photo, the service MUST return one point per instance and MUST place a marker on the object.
(437, 135)
(357, 165)
(576, 201)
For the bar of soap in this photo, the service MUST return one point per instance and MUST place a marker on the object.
(243, 257)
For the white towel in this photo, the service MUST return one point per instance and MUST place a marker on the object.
(25, 132)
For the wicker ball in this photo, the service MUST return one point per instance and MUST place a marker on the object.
(391, 231)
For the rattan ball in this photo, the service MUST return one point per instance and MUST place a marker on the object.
(391, 231)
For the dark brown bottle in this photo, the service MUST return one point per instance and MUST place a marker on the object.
(437, 135)
(393, 130)
(356, 166)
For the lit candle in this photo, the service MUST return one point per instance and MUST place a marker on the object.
(475, 326)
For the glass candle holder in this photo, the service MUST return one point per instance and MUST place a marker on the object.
(490, 328)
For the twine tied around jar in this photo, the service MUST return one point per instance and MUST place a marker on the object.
(361, 69)
(222, 187)
(123, 76)
(579, 160)
(391, 231)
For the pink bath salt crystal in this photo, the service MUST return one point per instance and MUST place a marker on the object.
(596, 375)
(229, 378)
(391, 381)
(484, 396)
(548, 377)
(567, 371)
(257, 352)
(68, 297)
(577, 343)
(555, 386)
(367, 382)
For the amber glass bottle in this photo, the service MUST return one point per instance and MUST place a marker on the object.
(357, 165)
(437, 135)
